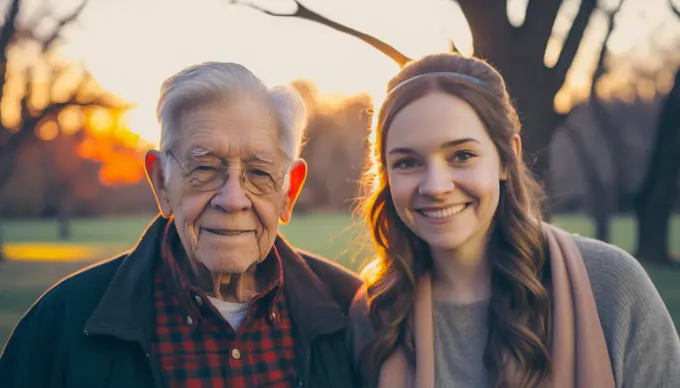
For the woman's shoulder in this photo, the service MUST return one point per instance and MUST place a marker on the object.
(610, 268)
(622, 288)
(642, 340)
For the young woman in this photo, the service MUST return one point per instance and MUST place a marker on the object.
(470, 288)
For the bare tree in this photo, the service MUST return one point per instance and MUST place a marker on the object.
(85, 94)
(604, 198)
(518, 52)
(659, 189)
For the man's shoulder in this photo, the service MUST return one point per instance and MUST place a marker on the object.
(85, 287)
(340, 281)
(328, 269)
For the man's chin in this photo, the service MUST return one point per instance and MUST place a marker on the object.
(230, 267)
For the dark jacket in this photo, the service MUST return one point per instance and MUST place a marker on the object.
(95, 328)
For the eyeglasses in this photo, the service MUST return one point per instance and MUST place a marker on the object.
(203, 176)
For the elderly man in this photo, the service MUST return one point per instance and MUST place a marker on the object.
(212, 295)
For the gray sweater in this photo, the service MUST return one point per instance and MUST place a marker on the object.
(643, 343)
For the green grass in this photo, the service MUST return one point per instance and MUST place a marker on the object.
(330, 235)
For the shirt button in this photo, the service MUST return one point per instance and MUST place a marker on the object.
(235, 354)
(190, 321)
(198, 300)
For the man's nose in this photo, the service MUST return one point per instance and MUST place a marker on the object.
(232, 196)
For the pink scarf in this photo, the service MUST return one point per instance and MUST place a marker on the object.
(579, 351)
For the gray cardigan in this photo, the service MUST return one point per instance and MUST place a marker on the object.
(643, 343)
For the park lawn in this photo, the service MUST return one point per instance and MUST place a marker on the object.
(31, 270)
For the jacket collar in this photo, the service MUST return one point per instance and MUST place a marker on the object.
(126, 308)
(313, 311)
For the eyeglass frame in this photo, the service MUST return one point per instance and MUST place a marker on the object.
(224, 176)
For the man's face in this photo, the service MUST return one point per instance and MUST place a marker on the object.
(225, 184)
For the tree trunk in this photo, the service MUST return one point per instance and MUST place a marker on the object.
(64, 226)
(2, 243)
(654, 204)
(602, 226)
(653, 228)
(600, 206)
(518, 53)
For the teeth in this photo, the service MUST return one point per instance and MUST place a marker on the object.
(227, 233)
(444, 212)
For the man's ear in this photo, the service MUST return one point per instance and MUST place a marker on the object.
(297, 176)
(516, 143)
(153, 164)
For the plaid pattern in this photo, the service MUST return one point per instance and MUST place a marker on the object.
(196, 346)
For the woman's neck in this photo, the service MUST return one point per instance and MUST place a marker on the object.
(461, 276)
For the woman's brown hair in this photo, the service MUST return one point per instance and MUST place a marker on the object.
(519, 309)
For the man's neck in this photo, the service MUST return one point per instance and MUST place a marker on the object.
(238, 288)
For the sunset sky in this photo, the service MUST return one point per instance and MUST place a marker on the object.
(131, 46)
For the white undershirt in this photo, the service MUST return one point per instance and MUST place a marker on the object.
(234, 313)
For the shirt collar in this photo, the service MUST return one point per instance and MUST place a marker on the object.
(193, 300)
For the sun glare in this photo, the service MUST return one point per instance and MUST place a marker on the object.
(47, 130)
(132, 62)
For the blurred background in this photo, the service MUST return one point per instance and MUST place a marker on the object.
(596, 83)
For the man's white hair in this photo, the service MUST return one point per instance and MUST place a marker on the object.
(206, 82)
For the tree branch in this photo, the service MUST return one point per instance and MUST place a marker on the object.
(63, 22)
(573, 39)
(305, 13)
(9, 151)
(674, 8)
(7, 31)
(599, 67)
(490, 27)
(452, 47)
(6, 35)
(604, 118)
(539, 20)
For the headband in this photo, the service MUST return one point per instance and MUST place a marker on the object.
(464, 77)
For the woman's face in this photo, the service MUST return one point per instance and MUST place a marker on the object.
(444, 172)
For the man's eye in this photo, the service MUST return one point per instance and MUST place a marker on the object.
(200, 169)
(259, 172)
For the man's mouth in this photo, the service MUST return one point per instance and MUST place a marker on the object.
(227, 232)
(443, 212)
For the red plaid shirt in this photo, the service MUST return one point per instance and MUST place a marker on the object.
(196, 346)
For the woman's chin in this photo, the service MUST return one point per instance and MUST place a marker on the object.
(446, 242)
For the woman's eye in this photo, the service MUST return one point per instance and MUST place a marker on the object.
(404, 164)
(462, 156)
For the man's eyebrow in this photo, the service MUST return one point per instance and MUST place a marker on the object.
(259, 158)
(199, 152)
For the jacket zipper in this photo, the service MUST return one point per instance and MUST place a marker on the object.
(308, 358)
(303, 378)
(156, 374)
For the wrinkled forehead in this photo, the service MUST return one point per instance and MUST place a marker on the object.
(243, 129)
(272, 157)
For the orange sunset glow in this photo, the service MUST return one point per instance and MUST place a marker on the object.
(156, 38)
